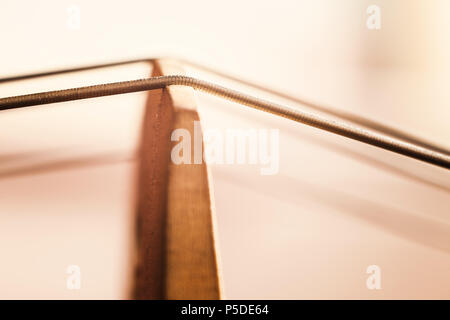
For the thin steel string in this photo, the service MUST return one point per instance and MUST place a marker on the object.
(350, 131)
(355, 119)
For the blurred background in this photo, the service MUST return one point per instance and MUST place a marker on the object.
(296, 244)
(320, 50)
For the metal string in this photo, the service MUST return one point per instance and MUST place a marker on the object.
(371, 137)
(356, 119)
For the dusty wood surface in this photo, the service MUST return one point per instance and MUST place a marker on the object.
(177, 257)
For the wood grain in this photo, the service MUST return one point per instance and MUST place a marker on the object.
(177, 255)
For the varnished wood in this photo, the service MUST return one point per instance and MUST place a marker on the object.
(177, 255)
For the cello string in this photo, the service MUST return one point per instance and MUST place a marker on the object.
(355, 119)
(350, 131)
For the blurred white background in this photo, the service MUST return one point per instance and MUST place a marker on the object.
(318, 50)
